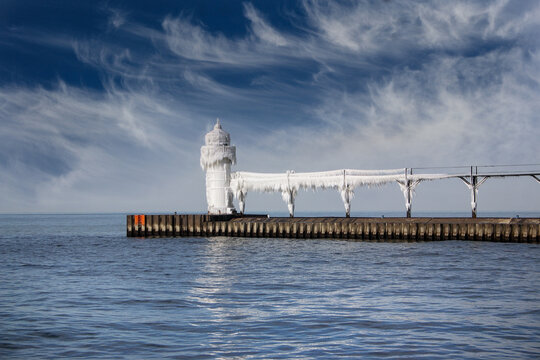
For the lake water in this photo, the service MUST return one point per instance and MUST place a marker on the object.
(74, 286)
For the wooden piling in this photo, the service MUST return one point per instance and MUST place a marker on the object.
(162, 225)
(129, 226)
(142, 225)
(168, 225)
(177, 230)
(155, 225)
(197, 222)
(149, 226)
(368, 229)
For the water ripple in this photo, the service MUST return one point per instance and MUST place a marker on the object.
(75, 287)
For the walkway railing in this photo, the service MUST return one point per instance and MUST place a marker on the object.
(346, 180)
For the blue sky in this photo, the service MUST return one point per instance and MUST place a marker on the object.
(104, 105)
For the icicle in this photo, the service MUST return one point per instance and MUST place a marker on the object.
(345, 181)
(212, 155)
(242, 201)
(407, 186)
(288, 194)
(346, 196)
(474, 198)
(288, 197)
(406, 194)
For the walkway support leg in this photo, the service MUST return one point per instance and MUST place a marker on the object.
(288, 197)
(291, 209)
(474, 196)
(346, 195)
(473, 184)
(407, 187)
(242, 202)
(408, 198)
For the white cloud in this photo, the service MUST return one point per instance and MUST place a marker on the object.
(390, 27)
(373, 85)
(117, 18)
(68, 148)
(262, 29)
(432, 116)
(194, 42)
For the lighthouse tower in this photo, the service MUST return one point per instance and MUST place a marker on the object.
(217, 155)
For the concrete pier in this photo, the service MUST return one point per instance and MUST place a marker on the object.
(523, 230)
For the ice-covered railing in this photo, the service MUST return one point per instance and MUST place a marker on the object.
(345, 181)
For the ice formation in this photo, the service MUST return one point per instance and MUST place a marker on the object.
(345, 181)
(217, 156)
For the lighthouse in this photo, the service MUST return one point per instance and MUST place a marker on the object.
(217, 156)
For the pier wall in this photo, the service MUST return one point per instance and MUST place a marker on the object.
(525, 230)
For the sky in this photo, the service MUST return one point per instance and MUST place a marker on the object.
(104, 104)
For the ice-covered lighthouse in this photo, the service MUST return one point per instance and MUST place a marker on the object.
(217, 156)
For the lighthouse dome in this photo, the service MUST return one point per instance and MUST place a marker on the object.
(217, 136)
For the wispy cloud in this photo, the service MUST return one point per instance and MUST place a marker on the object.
(261, 29)
(364, 84)
(387, 27)
(56, 140)
(117, 18)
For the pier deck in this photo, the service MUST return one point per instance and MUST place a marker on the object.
(523, 230)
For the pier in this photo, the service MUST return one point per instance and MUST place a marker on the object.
(218, 155)
(518, 230)
(222, 219)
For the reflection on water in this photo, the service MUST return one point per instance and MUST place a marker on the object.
(76, 287)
